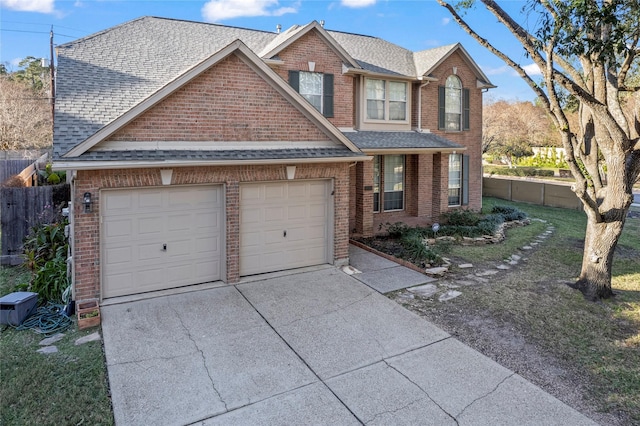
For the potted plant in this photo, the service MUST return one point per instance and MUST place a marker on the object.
(88, 314)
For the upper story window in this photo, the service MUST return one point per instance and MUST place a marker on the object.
(315, 87)
(453, 105)
(386, 100)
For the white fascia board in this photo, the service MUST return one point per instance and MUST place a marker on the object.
(367, 73)
(387, 151)
(111, 165)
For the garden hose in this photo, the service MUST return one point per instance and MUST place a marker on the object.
(47, 320)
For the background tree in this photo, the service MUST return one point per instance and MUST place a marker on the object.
(25, 109)
(586, 49)
(511, 129)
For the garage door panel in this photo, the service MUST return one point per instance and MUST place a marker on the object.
(149, 251)
(118, 255)
(149, 200)
(187, 219)
(290, 207)
(118, 203)
(274, 193)
(150, 225)
(274, 214)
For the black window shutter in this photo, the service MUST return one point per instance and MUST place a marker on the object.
(327, 107)
(466, 108)
(465, 180)
(441, 107)
(294, 80)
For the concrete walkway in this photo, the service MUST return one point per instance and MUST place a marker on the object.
(315, 347)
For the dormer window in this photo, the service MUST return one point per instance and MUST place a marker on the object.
(315, 87)
(386, 100)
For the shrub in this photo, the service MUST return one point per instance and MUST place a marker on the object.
(45, 252)
(415, 250)
(509, 213)
(461, 218)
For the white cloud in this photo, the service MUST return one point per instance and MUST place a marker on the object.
(355, 4)
(445, 21)
(218, 10)
(41, 6)
(532, 69)
(496, 71)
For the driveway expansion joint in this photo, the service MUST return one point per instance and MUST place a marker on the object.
(204, 360)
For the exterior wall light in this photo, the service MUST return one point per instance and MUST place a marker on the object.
(86, 201)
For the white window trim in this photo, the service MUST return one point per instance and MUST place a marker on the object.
(386, 102)
(459, 187)
(381, 181)
(321, 110)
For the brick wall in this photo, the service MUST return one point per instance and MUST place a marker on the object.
(312, 48)
(87, 225)
(228, 102)
(472, 139)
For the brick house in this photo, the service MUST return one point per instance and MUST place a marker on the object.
(204, 153)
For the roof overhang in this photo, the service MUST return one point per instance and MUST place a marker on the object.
(105, 165)
(359, 71)
(248, 57)
(388, 151)
(482, 78)
(340, 51)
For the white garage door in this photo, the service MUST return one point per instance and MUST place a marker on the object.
(284, 225)
(160, 238)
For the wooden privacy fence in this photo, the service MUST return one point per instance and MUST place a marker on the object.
(23, 208)
(543, 193)
(9, 168)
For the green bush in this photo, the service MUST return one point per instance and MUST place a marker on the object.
(509, 213)
(45, 252)
(461, 218)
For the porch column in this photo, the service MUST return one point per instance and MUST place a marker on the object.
(440, 175)
(364, 198)
(424, 186)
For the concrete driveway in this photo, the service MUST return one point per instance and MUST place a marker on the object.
(317, 347)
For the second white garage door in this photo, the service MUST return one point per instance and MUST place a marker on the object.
(285, 225)
(159, 238)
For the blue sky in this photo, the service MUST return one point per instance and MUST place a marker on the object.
(415, 25)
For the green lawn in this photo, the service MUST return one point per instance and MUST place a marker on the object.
(600, 339)
(66, 388)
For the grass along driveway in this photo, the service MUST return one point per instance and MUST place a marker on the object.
(586, 354)
(65, 388)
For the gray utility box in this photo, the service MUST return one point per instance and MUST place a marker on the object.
(15, 307)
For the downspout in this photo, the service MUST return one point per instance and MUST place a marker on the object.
(420, 105)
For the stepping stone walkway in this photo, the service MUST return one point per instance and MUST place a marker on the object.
(471, 278)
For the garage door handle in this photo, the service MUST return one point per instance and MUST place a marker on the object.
(285, 233)
(164, 247)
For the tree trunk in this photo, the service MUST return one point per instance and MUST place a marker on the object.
(600, 243)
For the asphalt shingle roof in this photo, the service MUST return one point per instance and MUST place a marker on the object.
(102, 76)
(221, 155)
(368, 140)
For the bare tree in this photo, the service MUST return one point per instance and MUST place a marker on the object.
(585, 48)
(511, 129)
(25, 116)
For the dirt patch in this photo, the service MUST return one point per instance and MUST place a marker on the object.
(506, 338)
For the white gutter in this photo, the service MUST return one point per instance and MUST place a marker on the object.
(106, 165)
